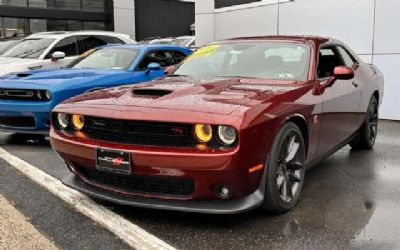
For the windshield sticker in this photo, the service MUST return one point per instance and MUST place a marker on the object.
(204, 52)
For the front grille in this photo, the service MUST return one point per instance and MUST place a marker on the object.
(18, 121)
(139, 184)
(23, 95)
(140, 133)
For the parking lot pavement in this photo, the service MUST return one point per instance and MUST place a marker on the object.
(350, 200)
(53, 218)
(16, 232)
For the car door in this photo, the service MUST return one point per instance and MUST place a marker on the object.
(340, 102)
(67, 45)
(163, 57)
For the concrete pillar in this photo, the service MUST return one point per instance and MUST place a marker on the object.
(124, 17)
(205, 21)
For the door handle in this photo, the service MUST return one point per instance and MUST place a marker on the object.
(355, 84)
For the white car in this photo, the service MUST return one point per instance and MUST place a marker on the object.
(166, 41)
(184, 41)
(57, 49)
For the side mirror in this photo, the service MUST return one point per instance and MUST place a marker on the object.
(343, 73)
(153, 67)
(57, 55)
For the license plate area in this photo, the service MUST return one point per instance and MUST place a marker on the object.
(113, 161)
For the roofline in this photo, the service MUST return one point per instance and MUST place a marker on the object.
(321, 39)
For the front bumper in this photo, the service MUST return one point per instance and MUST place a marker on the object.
(208, 171)
(36, 114)
(249, 202)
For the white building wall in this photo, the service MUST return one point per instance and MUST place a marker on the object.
(367, 26)
(124, 17)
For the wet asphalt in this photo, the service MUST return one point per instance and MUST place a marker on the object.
(351, 200)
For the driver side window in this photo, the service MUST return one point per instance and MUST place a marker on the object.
(68, 45)
(329, 58)
(164, 58)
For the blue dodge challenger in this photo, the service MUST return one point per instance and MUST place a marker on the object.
(26, 99)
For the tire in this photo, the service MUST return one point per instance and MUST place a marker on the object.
(284, 170)
(366, 137)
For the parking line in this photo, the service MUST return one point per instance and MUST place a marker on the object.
(130, 233)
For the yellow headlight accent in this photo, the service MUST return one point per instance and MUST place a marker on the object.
(78, 121)
(203, 133)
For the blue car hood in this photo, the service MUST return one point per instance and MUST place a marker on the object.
(54, 78)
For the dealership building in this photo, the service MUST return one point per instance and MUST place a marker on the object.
(139, 18)
(369, 27)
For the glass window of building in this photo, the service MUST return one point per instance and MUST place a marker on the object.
(94, 26)
(68, 4)
(42, 3)
(37, 25)
(14, 26)
(19, 3)
(51, 25)
(91, 5)
(69, 25)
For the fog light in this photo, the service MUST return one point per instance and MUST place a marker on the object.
(78, 121)
(224, 192)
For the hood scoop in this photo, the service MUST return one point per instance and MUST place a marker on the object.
(22, 75)
(152, 92)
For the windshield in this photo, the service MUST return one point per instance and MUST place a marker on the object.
(107, 58)
(30, 48)
(6, 45)
(267, 60)
(181, 41)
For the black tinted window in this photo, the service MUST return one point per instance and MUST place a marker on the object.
(68, 46)
(111, 40)
(328, 60)
(164, 58)
(91, 42)
(179, 56)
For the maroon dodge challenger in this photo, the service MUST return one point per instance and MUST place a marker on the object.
(233, 128)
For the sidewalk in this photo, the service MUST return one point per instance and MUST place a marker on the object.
(17, 233)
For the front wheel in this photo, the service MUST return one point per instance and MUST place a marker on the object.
(369, 130)
(285, 170)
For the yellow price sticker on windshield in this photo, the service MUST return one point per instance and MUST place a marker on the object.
(204, 52)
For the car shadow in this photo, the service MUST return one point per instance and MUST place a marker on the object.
(24, 140)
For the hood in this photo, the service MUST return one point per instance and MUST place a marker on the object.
(6, 61)
(207, 95)
(54, 78)
(10, 64)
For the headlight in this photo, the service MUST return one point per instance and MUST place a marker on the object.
(227, 134)
(78, 121)
(47, 94)
(203, 133)
(43, 95)
(63, 120)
